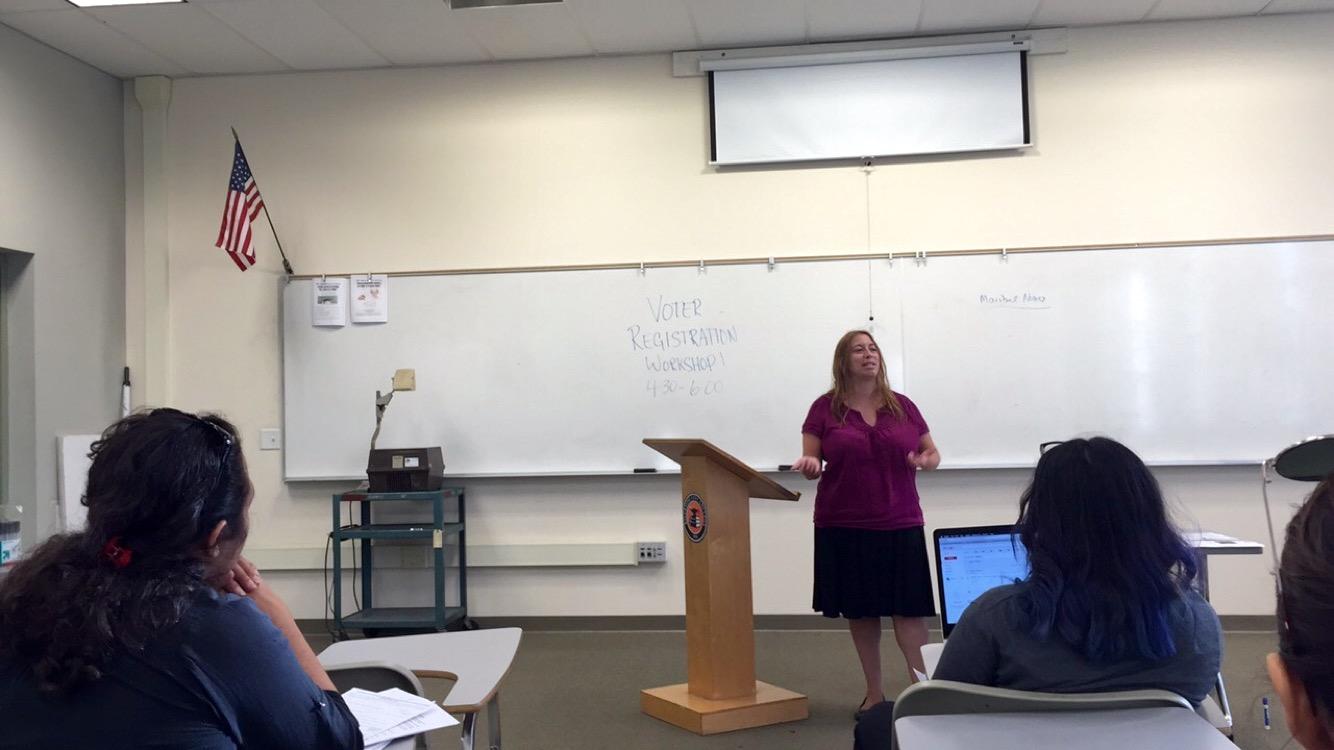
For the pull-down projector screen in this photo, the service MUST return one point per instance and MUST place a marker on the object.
(930, 105)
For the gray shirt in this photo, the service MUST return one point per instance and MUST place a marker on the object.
(987, 648)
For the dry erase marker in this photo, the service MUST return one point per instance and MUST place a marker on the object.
(125, 393)
(1264, 703)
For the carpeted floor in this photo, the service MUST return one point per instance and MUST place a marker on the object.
(581, 690)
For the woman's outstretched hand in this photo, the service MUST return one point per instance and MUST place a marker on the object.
(809, 466)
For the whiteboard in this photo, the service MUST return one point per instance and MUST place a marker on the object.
(1211, 354)
(567, 372)
(1188, 355)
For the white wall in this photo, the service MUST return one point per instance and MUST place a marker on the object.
(1171, 131)
(63, 202)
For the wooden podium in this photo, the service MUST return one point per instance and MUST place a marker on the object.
(721, 693)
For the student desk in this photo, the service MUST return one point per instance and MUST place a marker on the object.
(1086, 730)
(1205, 544)
(476, 659)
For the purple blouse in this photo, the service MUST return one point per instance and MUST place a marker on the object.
(867, 481)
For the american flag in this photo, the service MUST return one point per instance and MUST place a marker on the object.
(243, 205)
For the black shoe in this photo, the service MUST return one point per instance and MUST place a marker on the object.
(862, 709)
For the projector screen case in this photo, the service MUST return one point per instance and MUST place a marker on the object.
(900, 107)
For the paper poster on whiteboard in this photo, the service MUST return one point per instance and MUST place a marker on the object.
(328, 302)
(370, 299)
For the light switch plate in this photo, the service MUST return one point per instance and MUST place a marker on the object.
(270, 439)
(405, 380)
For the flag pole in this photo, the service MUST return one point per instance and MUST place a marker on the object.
(286, 266)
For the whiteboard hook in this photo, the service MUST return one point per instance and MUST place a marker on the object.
(920, 258)
(642, 272)
(701, 266)
(323, 278)
(891, 260)
(771, 263)
(1005, 255)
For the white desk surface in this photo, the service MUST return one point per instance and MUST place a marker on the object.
(1086, 730)
(477, 659)
(1213, 543)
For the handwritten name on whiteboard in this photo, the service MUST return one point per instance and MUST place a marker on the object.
(1016, 301)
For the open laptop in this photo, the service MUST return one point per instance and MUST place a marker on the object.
(971, 560)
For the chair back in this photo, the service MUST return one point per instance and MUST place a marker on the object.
(936, 697)
(374, 676)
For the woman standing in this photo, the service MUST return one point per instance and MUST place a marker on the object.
(866, 443)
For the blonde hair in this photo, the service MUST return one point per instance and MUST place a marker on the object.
(843, 383)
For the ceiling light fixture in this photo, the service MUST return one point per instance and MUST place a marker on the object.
(106, 3)
(461, 4)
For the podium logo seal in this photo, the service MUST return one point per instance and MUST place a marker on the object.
(695, 518)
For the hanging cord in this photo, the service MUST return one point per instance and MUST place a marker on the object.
(870, 291)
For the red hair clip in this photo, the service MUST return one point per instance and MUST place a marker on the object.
(116, 553)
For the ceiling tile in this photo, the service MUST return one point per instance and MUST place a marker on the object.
(1171, 9)
(739, 23)
(191, 37)
(83, 37)
(861, 19)
(1090, 12)
(1298, 6)
(297, 32)
(629, 26)
(409, 32)
(249, 36)
(947, 16)
(526, 31)
(7, 6)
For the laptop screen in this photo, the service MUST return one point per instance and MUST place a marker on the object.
(972, 560)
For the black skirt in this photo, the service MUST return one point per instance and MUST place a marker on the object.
(869, 573)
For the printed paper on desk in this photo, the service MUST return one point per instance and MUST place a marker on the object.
(370, 299)
(394, 713)
(433, 717)
(328, 302)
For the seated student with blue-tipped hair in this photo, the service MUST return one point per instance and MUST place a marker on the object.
(1108, 603)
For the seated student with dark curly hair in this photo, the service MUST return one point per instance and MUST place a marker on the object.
(148, 629)
(1108, 602)
(1303, 669)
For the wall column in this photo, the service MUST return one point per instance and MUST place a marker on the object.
(147, 283)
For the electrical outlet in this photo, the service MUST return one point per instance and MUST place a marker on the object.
(652, 551)
(270, 439)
